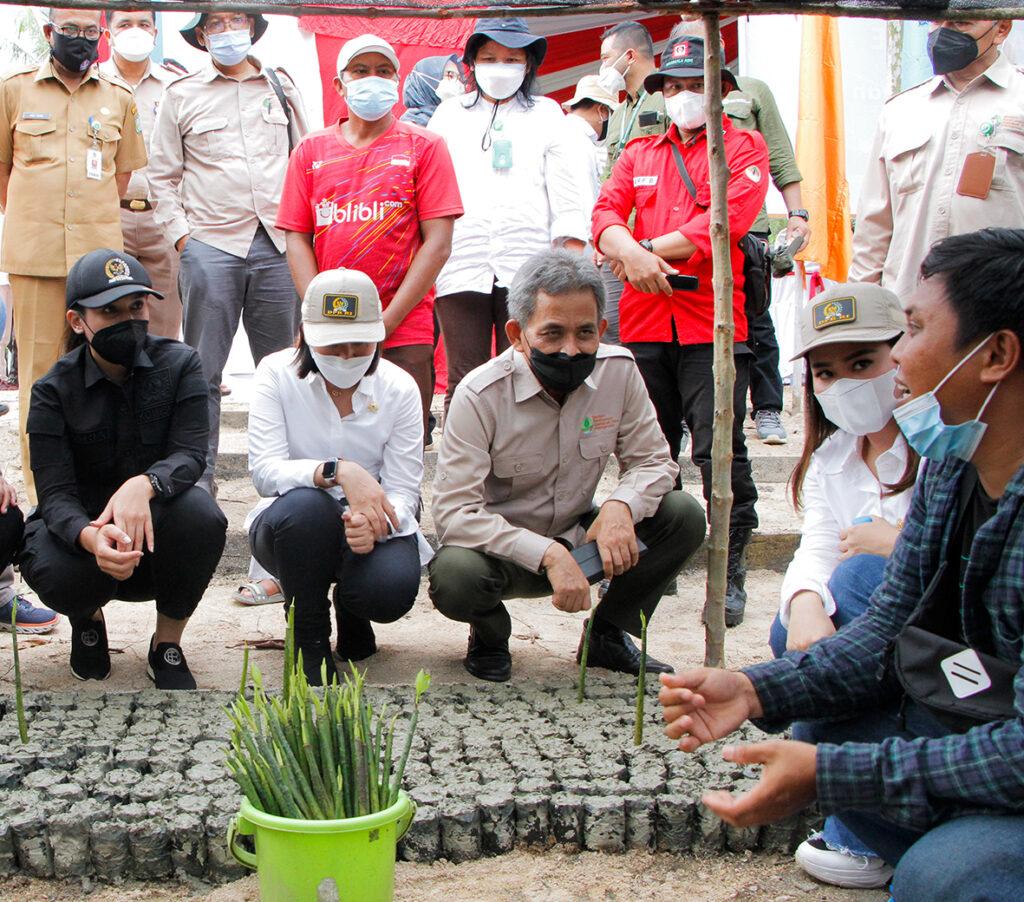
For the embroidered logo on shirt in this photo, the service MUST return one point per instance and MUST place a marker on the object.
(327, 211)
(835, 311)
(645, 181)
(117, 270)
(587, 425)
(597, 422)
(341, 306)
(753, 173)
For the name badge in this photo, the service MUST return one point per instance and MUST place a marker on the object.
(645, 181)
(43, 116)
(94, 163)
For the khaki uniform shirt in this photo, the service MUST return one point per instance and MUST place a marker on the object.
(515, 469)
(909, 198)
(148, 94)
(624, 124)
(220, 152)
(55, 214)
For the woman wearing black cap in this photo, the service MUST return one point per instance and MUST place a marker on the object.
(514, 167)
(118, 430)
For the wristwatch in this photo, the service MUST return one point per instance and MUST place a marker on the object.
(330, 470)
(646, 244)
(803, 214)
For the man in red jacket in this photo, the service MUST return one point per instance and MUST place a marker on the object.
(666, 180)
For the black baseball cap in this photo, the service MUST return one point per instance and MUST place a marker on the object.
(104, 276)
(199, 20)
(512, 32)
(684, 58)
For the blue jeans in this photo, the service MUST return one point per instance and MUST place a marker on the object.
(852, 584)
(973, 858)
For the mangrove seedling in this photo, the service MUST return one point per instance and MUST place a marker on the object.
(19, 700)
(641, 684)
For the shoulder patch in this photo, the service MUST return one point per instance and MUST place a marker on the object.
(493, 371)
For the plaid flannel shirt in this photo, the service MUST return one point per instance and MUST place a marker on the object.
(916, 783)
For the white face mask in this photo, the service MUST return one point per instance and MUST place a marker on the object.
(344, 372)
(860, 406)
(134, 44)
(611, 79)
(450, 87)
(686, 110)
(499, 80)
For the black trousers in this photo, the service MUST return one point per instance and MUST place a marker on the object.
(12, 532)
(680, 382)
(765, 378)
(300, 538)
(469, 586)
(189, 532)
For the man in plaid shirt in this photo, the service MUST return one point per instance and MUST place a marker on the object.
(946, 809)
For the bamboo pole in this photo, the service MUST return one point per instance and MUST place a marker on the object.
(724, 366)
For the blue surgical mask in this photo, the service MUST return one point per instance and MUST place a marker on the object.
(229, 48)
(371, 98)
(921, 423)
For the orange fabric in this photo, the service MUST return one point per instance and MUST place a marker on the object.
(821, 148)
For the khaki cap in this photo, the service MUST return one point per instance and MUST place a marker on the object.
(851, 311)
(341, 306)
(589, 88)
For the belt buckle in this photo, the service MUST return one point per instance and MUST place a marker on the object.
(137, 205)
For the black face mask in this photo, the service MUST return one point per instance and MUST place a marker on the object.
(601, 135)
(951, 50)
(121, 342)
(74, 54)
(559, 372)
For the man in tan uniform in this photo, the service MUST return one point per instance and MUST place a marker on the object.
(948, 156)
(526, 440)
(70, 138)
(219, 154)
(132, 37)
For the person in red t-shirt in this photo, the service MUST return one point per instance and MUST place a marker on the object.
(377, 195)
(671, 333)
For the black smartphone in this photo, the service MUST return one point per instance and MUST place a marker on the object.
(684, 283)
(589, 559)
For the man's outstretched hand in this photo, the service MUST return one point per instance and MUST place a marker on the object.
(788, 783)
(705, 704)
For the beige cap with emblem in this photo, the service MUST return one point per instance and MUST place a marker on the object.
(851, 311)
(341, 306)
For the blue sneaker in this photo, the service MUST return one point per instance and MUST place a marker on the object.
(29, 619)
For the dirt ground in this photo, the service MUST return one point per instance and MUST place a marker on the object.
(522, 877)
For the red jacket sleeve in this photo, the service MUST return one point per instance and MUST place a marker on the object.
(617, 198)
(747, 157)
(437, 189)
(295, 213)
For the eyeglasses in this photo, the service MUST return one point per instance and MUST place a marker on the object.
(219, 26)
(90, 32)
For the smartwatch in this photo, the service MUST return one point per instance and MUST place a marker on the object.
(646, 244)
(330, 470)
(802, 214)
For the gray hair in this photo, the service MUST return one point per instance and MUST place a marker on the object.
(555, 273)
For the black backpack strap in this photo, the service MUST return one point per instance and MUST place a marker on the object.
(275, 83)
(681, 166)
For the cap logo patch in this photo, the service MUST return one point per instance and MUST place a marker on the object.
(834, 312)
(341, 306)
(680, 50)
(117, 270)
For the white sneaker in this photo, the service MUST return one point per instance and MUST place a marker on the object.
(841, 868)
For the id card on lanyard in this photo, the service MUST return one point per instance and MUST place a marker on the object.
(94, 156)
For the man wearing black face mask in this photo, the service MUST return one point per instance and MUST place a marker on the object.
(526, 440)
(69, 140)
(118, 430)
(948, 156)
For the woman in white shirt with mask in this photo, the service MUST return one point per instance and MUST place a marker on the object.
(853, 482)
(518, 187)
(336, 452)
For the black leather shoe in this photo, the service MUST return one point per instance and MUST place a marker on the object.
(314, 656)
(356, 641)
(90, 656)
(614, 649)
(488, 662)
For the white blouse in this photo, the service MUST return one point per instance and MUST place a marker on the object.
(294, 427)
(838, 488)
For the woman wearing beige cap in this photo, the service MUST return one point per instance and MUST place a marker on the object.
(336, 452)
(853, 482)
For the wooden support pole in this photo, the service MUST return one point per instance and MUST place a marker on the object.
(724, 365)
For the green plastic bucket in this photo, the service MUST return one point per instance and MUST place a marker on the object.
(297, 859)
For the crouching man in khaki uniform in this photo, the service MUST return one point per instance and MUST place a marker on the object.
(526, 440)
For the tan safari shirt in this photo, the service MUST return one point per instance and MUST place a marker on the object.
(515, 469)
(909, 199)
(219, 156)
(55, 214)
(148, 94)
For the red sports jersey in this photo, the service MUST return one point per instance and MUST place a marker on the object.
(364, 205)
